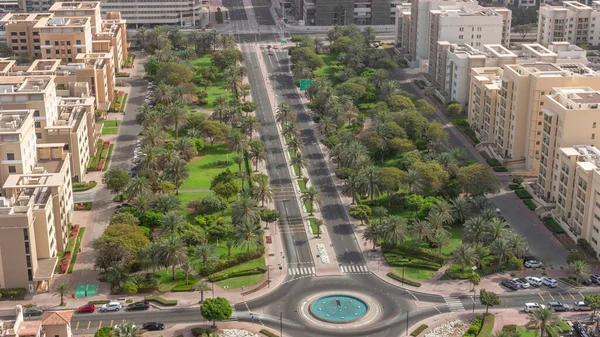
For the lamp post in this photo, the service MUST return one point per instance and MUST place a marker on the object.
(269, 276)
(407, 312)
(281, 323)
(403, 267)
(474, 295)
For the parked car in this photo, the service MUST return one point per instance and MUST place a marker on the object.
(533, 264)
(88, 308)
(534, 281)
(112, 306)
(595, 278)
(143, 305)
(522, 283)
(581, 306)
(528, 258)
(558, 306)
(510, 284)
(33, 312)
(549, 282)
(529, 307)
(153, 326)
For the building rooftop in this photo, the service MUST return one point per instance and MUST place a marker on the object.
(12, 120)
(576, 98)
(81, 5)
(13, 84)
(57, 317)
(30, 328)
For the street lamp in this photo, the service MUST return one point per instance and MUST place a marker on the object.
(269, 276)
(403, 267)
(281, 323)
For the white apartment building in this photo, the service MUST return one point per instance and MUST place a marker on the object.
(430, 21)
(185, 13)
(456, 61)
(572, 22)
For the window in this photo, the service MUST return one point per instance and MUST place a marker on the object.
(460, 37)
(36, 113)
(13, 33)
(66, 147)
(30, 274)
(594, 125)
(594, 241)
(15, 40)
(68, 43)
(78, 50)
(56, 52)
(10, 156)
(68, 51)
(78, 42)
(541, 103)
(47, 51)
(38, 124)
(22, 33)
(47, 42)
(38, 135)
(56, 43)
(26, 234)
(23, 41)
(12, 169)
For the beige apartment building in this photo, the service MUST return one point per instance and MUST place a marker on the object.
(572, 22)
(58, 35)
(483, 96)
(17, 143)
(161, 12)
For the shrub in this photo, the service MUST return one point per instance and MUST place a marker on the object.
(221, 276)
(160, 300)
(419, 330)
(530, 204)
(399, 278)
(12, 294)
(523, 194)
(268, 333)
(488, 325)
(511, 328)
(200, 332)
(493, 162)
(99, 302)
(130, 288)
(474, 328)
(587, 248)
(104, 332)
(515, 186)
(553, 225)
(500, 169)
(216, 266)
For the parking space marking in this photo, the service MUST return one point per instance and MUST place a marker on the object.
(561, 296)
(77, 326)
(580, 294)
(552, 297)
(573, 297)
(100, 324)
(111, 323)
(542, 297)
(89, 323)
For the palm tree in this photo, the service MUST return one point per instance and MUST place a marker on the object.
(201, 286)
(116, 275)
(163, 94)
(518, 245)
(413, 179)
(166, 156)
(465, 255)
(380, 78)
(248, 236)
(460, 208)
(327, 126)
(285, 113)
(164, 203)
(421, 230)
(394, 229)
(438, 220)
(238, 142)
(440, 238)
(172, 220)
(379, 212)
(244, 210)
(495, 229)
(203, 252)
(127, 329)
(444, 209)
(354, 154)
(257, 153)
(318, 223)
(474, 229)
(251, 124)
(262, 189)
(137, 186)
(185, 148)
(293, 145)
(149, 256)
(501, 249)
(373, 232)
(62, 289)
(172, 252)
(176, 171)
(153, 136)
(544, 319)
(299, 161)
(186, 267)
(290, 130)
(371, 176)
(480, 203)
(580, 270)
(312, 197)
(352, 185)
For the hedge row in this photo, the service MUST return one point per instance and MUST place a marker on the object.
(84, 186)
(212, 267)
(523, 194)
(198, 332)
(530, 204)
(553, 225)
(76, 250)
(418, 330)
(399, 278)
(224, 276)
(268, 333)
(98, 302)
(160, 300)
(12, 294)
(488, 325)
(500, 169)
(515, 186)
(474, 328)
(493, 162)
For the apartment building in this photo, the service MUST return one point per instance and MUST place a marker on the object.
(56, 35)
(455, 62)
(483, 94)
(35, 5)
(572, 22)
(347, 12)
(13, 324)
(184, 13)
(69, 122)
(454, 21)
(17, 143)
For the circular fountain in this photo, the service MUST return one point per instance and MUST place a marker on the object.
(338, 309)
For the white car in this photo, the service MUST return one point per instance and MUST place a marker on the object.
(523, 284)
(549, 282)
(112, 306)
(534, 281)
(529, 307)
(533, 264)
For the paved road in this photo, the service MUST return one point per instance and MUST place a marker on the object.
(129, 130)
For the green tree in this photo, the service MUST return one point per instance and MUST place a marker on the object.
(373, 232)
(465, 255)
(544, 319)
(172, 220)
(62, 289)
(215, 131)
(525, 29)
(489, 299)
(227, 58)
(174, 74)
(454, 109)
(269, 215)
(440, 239)
(474, 279)
(580, 270)
(201, 286)
(476, 179)
(164, 203)
(390, 179)
(216, 309)
(592, 301)
(361, 212)
(172, 252)
(176, 171)
(311, 197)
(116, 180)
(125, 218)
(127, 329)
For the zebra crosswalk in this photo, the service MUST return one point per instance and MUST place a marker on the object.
(355, 269)
(454, 303)
(302, 271)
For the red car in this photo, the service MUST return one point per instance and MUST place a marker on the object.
(86, 308)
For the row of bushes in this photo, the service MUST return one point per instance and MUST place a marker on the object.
(553, 225)
(474, 328)
(123, 74)
(463, 126)
(200, 332)
(523, 194)
(106, 160)
(400, 279)
(500, 169)
(587, 248)
(83, 206)
(84, 186)
(515, 186)
(76, 250)
(530, 204)
(96, 162)
(422, 253)
(419, 330)
(268, 333)
(99, 302)
(493, 162)
(488, 325)
(212, 267)
(161, 301)
(224, 276)
(8, 294)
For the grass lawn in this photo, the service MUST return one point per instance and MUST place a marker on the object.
(110, 131)
(527, 333)
(393, 209)
(111, 123)
(253, 264)
(326, 69)
(313, 226)
(184, 197)
(205, 167)
(455, 239)
(217, 88)
(302, 185)
(166, 283)
(417, 267)
(242, 281)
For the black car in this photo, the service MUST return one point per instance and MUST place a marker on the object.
(138, 306)
(510, 284)
(153, 326)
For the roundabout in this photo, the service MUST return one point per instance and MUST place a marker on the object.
(339, 310)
